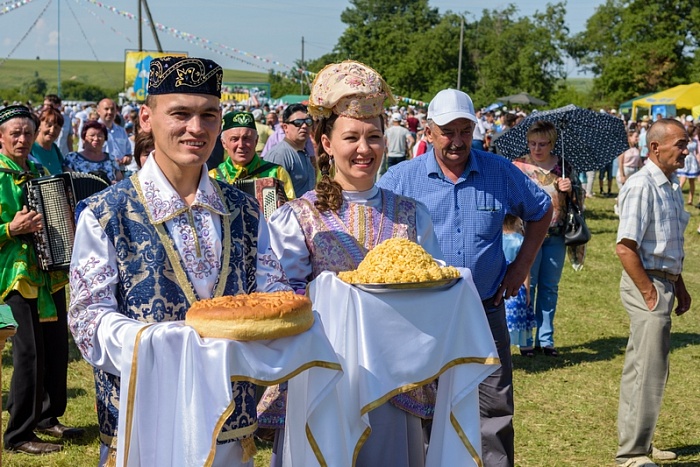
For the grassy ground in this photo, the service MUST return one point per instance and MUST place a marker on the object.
(566, 407)
(108, 75)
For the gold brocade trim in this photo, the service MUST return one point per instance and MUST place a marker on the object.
(465, 440)
(217, 430)
(304, 367)
(458, 361)
(225, 269)
(180, 274)
(314, 447)
(132, 394)
(360, 443)
(361, 226)
(109, 441)
(237, 433)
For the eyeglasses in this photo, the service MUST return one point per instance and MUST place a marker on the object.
(300, 121)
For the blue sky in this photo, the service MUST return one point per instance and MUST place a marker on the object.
(271, 30)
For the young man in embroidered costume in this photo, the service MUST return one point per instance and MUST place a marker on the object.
(334, 226)
(150, 246)
(239, 137)
(36, 298)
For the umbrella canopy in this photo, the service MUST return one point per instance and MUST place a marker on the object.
(522, 98)
(587, 140)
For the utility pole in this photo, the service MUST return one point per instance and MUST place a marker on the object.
(140, 27)
(459, 66)
(153, 25)
(59, 50)
(301, 72)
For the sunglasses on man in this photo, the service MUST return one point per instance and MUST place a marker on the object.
(300, 121)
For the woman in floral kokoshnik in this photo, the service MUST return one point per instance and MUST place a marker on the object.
(334, 226)
(545, 169)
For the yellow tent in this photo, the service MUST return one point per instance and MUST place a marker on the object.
(685, 96)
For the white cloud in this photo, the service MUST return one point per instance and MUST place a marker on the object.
(41, 24)
(53, 39)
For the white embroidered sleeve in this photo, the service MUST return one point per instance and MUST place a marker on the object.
(97, 327)
(269, 274)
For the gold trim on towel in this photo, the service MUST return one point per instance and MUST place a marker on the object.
(304, 367)
(360, 443)
(458, 361)
(314, 447)
(238, 432)
(132, 394)
(465, 440)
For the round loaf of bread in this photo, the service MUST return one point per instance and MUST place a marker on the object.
(256, 316)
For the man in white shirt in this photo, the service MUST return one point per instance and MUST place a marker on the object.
(650, 247)
(151, 245)
(117, 146)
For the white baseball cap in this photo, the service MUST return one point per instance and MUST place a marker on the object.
(396, 117)
(450, 104)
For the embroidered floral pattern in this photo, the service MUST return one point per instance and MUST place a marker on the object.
(89, 284)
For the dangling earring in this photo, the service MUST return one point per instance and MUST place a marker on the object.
(326, 171)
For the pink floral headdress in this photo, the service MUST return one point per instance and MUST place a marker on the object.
(349, 88)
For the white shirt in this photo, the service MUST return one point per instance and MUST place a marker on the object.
(94, 319)
(652, 214)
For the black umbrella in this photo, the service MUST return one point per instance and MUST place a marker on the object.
(588, 140)
(522, 98)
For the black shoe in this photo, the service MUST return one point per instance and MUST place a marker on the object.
(550, 351)
(527, 352)
(36, 447)
(62, 431)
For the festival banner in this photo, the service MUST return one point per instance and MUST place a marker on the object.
(136, 67)
(250, 94)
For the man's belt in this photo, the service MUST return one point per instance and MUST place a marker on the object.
(662, 274)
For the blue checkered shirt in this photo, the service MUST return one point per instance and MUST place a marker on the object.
(468, 215)
(652, 214)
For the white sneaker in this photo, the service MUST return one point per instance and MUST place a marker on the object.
(660, 455)
(643, 461)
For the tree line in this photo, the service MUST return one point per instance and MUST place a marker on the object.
(632, 47)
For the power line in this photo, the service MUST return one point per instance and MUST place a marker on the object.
(26, 33)
(87, 41)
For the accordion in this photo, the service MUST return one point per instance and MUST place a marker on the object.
(268, 191)
(55, 198)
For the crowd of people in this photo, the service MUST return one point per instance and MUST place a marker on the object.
(354, 173)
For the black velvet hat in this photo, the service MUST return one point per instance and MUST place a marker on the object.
(185, 75)
(15, 111)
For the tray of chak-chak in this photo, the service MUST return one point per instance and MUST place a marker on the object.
(399, 264)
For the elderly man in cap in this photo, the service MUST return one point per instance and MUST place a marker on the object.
(239, 137)
(36, 298)
(468, 193)
(153, 244)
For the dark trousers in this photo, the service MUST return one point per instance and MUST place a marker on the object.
(37, 394)
(496, 396)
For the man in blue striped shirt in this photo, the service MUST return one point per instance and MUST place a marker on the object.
(468, 193)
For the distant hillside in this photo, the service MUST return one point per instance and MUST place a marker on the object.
(107, 75)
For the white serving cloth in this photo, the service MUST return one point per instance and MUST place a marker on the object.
(389, 341)
(176, 390)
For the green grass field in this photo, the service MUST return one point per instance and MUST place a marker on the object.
(107, 75)
(566, 408)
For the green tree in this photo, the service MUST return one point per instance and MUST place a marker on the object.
(514, 55)
(34, 88)
(635, 47)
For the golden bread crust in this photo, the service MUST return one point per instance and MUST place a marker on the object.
(252, 317)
